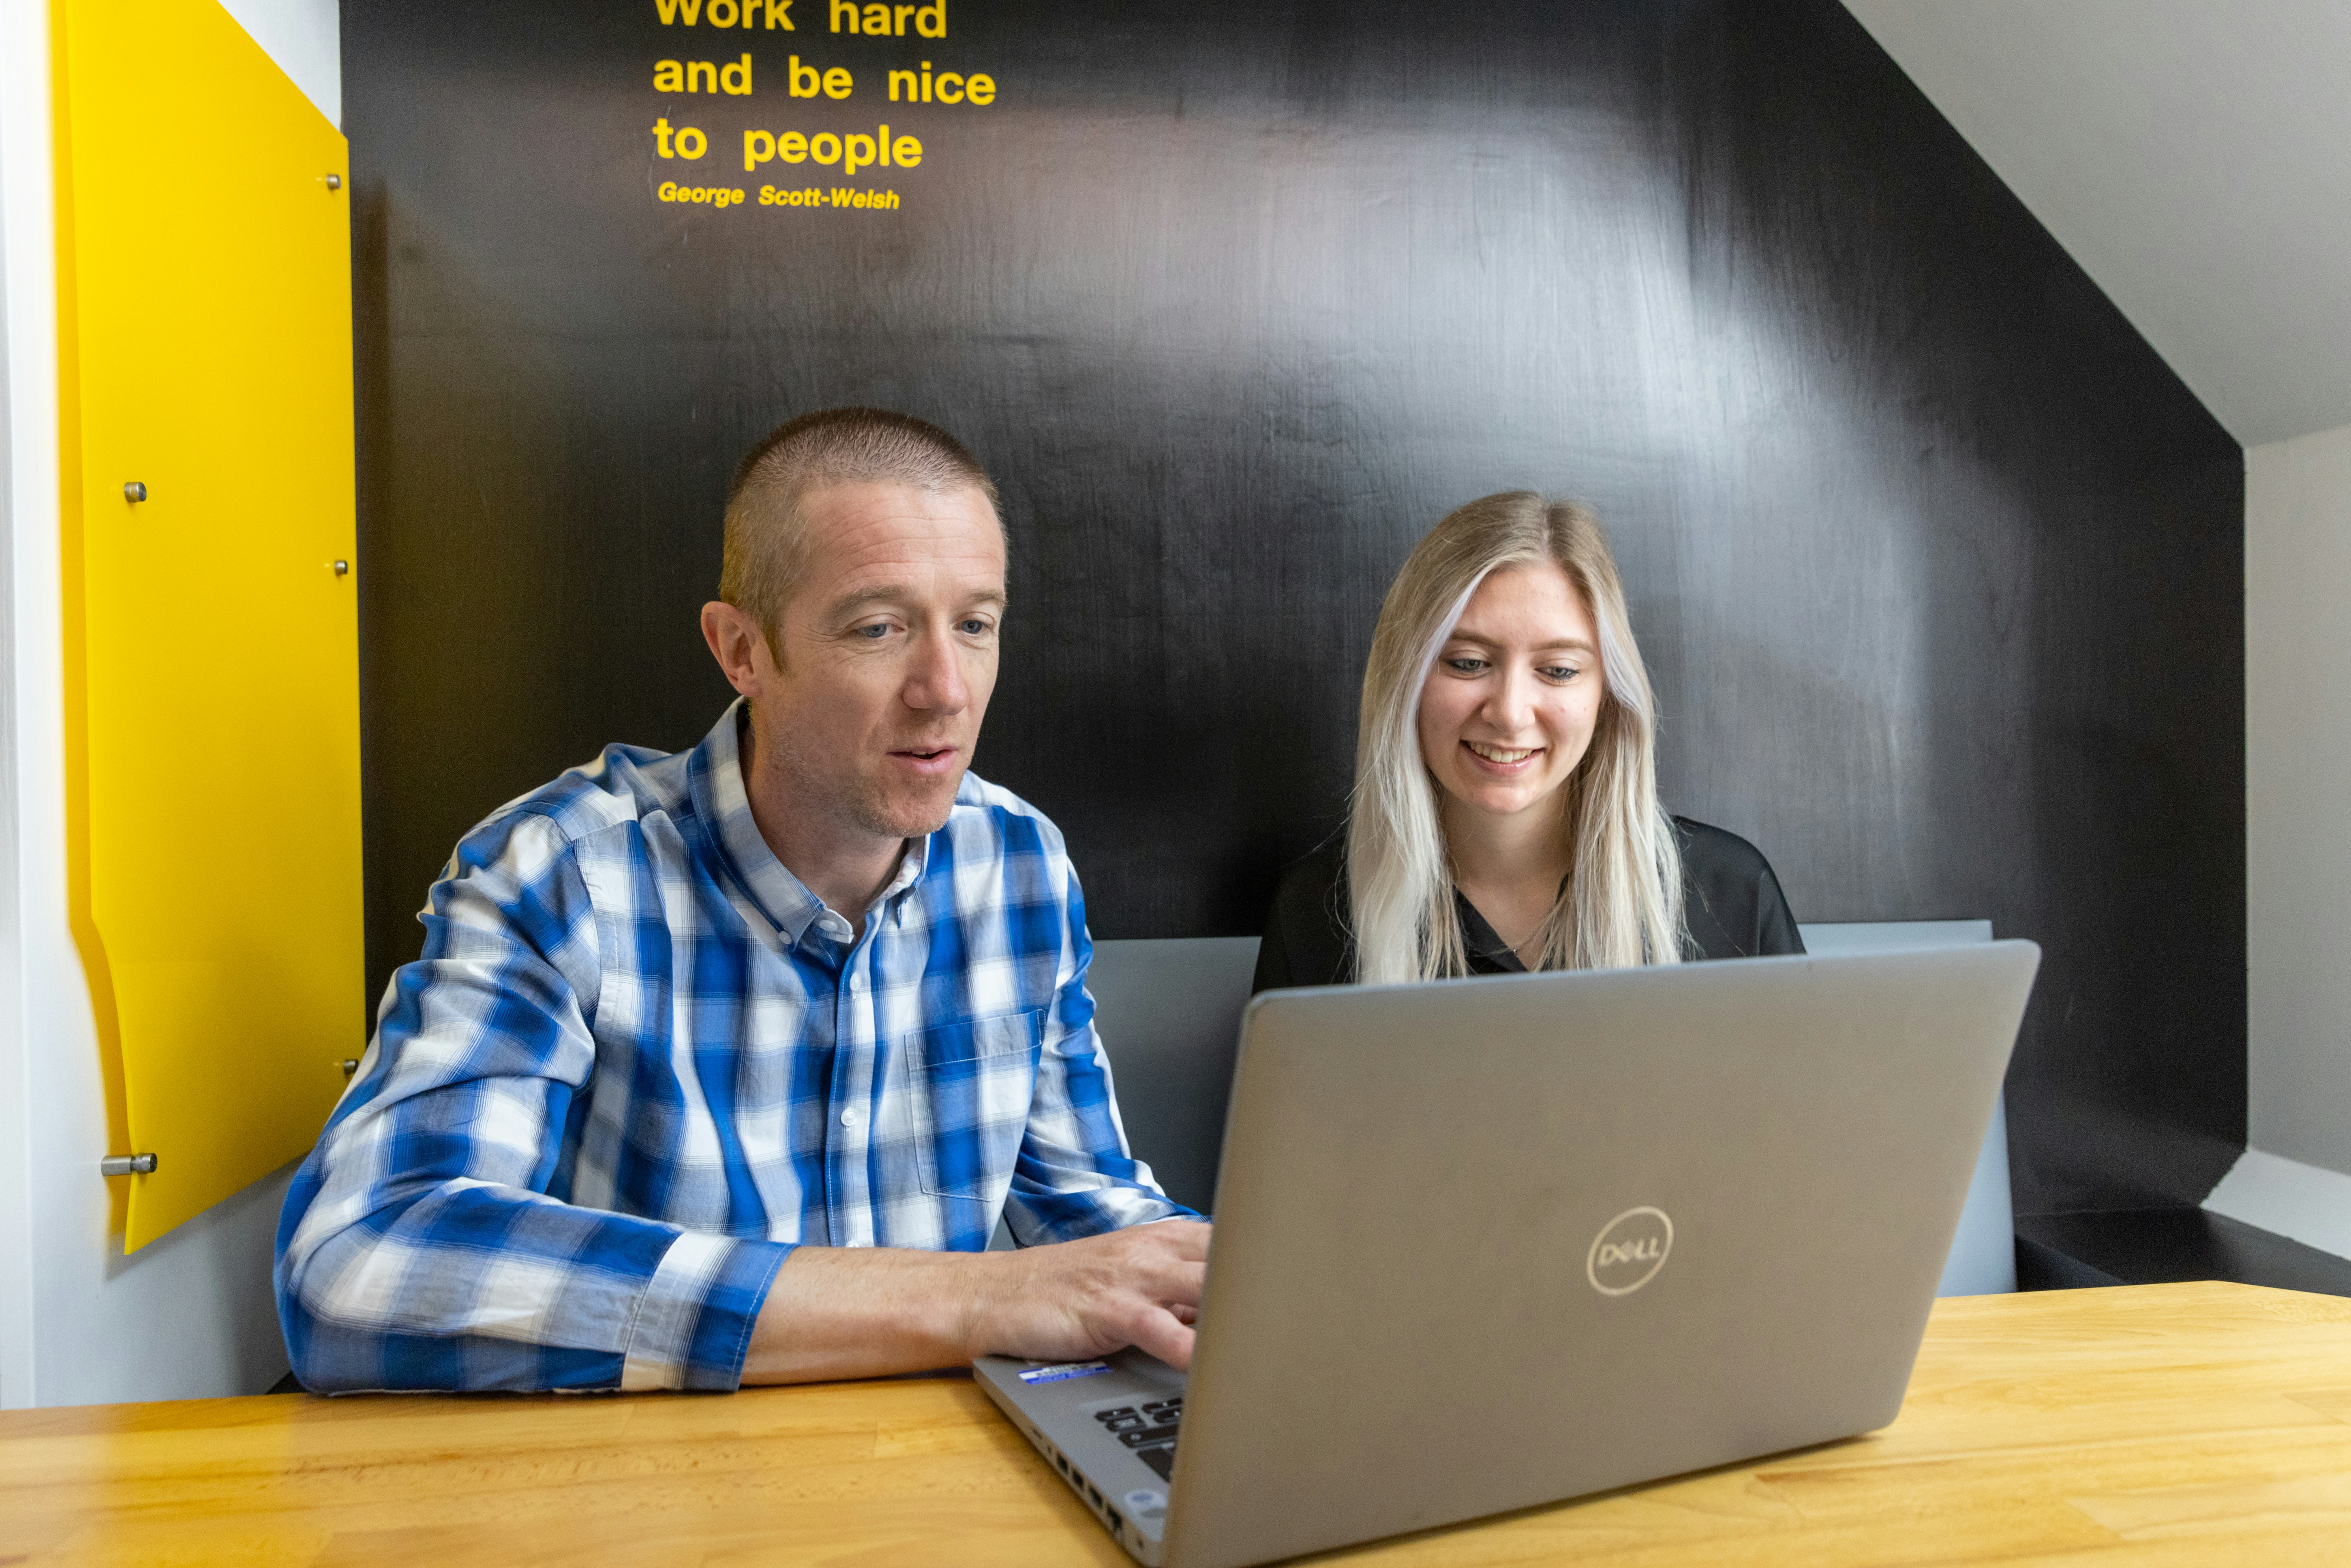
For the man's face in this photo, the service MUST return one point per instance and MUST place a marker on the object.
(888, 650)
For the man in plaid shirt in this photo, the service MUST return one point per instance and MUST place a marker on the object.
(722, 1066)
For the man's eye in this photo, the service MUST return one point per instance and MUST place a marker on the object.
(974, 627)
(874, 632)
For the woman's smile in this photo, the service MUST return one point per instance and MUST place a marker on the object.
(1506, 761)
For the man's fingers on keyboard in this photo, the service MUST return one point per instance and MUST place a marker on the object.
(1158, 1333)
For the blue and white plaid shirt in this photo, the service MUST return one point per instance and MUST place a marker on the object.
(639, 1063)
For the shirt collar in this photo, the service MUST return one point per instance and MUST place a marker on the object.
(1478, 934)
(720, 794)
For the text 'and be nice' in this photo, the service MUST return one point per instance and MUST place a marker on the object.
(738, 78)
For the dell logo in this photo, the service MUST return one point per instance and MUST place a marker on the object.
(1629, 1250)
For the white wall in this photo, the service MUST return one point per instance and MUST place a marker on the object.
(28, 488)
(189, 1315)
(2294, 1178)
(2298, 796)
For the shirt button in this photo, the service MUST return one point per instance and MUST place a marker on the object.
(857, 1244)
(850, 1115)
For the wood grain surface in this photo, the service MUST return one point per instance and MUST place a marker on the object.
(2200, 1424)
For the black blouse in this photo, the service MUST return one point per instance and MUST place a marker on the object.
(1732, 905)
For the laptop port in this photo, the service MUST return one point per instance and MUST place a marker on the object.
(1096, 1495)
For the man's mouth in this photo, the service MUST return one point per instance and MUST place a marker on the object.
(929, 760)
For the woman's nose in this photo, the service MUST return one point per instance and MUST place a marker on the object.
(1512, 706)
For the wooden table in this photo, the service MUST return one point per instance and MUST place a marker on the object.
(2204, 1424)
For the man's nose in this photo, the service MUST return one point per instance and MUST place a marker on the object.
(935, 683)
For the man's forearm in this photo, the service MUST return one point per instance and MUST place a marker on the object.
(835, 1313)
(841, 1312)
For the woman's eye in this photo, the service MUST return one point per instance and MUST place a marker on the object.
(1467, 666)
(1563, 671)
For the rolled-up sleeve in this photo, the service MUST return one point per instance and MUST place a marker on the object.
(419, 1248)
(1075, 1175)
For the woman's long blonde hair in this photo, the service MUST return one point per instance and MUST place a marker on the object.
(1622, 905)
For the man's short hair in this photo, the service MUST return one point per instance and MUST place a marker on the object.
(766, 548)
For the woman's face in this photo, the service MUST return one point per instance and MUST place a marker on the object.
(1508, 709)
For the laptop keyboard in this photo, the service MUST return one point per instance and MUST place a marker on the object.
(1149, 1431)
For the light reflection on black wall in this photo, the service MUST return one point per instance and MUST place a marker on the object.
(1937, 566)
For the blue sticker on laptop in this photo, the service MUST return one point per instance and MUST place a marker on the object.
(1063, 1371)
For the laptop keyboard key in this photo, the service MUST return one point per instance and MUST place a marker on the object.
(1148, 1431)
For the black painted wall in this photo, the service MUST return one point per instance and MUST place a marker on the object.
(1938, 567)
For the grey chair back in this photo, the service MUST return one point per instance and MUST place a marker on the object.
(1169, 1013)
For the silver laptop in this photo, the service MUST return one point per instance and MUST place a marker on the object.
(1491, 1243)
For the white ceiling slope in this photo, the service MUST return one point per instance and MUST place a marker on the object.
(2195, 157)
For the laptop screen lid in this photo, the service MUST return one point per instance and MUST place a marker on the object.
(1486, 1244)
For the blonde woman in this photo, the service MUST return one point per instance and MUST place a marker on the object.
(1505, 815)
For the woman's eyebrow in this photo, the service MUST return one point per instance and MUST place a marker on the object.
(1565, 644)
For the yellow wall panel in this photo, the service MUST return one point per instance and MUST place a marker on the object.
(212, 649)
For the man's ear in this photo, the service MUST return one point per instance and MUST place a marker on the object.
(740, 645)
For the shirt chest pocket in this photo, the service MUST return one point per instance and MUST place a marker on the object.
(974, 1080)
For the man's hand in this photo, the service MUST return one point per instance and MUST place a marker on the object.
(837, 1313)
(1077, 1300)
